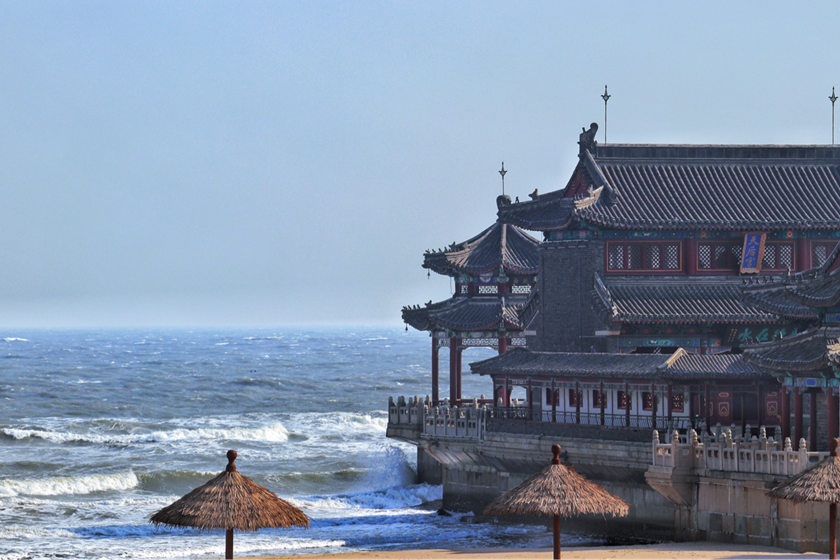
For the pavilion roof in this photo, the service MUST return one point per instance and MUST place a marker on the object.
(676, 301)
(467, 314)
(499, 247)
(693, 187)
(679, 365)
(807, 351)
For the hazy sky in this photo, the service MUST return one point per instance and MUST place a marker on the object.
(265, 163)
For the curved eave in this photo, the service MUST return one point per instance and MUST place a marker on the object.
(807, 351)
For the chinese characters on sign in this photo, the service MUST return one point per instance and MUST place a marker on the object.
(753, 252)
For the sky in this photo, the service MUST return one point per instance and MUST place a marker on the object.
(280, 163)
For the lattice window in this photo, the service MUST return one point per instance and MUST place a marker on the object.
(769, 260)
(488, 289)
(517, 341)
(678, 402)
(786, 256)
(672, 256)
(574, 398)
(704, 256)
(623, 401)
(736, 253)
(465, 288)
(820, 254)
(652, 256)
(598, 398)
(520, 289)
(616, 257)
(647, 401)
(634, 257)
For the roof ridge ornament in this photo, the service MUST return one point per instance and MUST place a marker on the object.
(587, 141)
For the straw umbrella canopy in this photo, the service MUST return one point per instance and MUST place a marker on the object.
(820, 483)
(558, 491)
(231, 501)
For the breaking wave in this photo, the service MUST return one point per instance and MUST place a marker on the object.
(63, 485)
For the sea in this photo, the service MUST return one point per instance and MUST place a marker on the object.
(99, 429)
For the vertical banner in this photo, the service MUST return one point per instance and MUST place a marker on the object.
(752, 252)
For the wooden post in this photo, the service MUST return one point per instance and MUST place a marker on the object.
(557, 537)
(832, 414)
(453, 370)
(707, 409)
(228, 544)
(670, 409)
(530, 401)
(553, 403)
(435, 371)
(577, 402)
(785, 413)
(812, 417)
(460, 364)
(761, 404)
(653, 406)
(797, 414)
(502, 344)
(603, 403)
(628, 401)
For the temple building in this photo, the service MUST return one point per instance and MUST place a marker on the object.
(686, 290)
(494, 273)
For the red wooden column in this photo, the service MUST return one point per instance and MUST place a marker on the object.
(530, 400)
(670, 408)
(502, 344)
(453, 369)
(459, 353)
(761, 404)
(832, 414)
(690, 246)
(707, 409)
(435, 372)
(812, 416)
(785, 413)
(802, 255)
(577, 402)
(797, 417)
(553, 403)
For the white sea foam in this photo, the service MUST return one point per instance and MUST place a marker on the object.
(273, 433)
(15, 339)
(61, 485)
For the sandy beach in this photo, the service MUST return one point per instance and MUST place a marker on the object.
(685, 550)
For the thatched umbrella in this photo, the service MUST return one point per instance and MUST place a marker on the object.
(558, 491)
(820, 483)
(231, 501)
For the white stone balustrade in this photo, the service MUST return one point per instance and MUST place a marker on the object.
(407, 412)
(468, 421)
(724, 452)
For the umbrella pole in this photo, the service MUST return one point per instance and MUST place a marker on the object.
(228, 544)
(832, 530)
(557, 537)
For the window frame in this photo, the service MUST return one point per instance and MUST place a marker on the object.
(644, 248)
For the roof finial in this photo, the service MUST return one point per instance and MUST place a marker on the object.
(832, 98)
(231, 455)
(502, 172)
(556, 450)
(605, 97)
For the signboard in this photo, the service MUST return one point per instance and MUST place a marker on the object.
(752, 252)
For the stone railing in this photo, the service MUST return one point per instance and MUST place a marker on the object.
(446, 422)
(407, 412)
(725, 452)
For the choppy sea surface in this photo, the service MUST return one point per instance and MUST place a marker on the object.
(100, 429)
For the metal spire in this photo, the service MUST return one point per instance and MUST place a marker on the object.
(605, 97)
(502, 172)
(832, 98)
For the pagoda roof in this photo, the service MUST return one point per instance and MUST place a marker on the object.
(798, 295)
(806, 351)
(693, 187)
(679, 365)
(462, 313)
(499, 247)
(676, 301)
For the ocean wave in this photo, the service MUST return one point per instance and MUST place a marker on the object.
(372, 503)
(272, 433)
(15, 339)
(62, 485)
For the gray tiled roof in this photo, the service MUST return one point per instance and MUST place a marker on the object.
(466, 313)
(499, 246)
(807, 351)
(676, 301)
(677, 366)
(697, 187)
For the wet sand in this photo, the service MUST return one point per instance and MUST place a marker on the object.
(662, 551)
